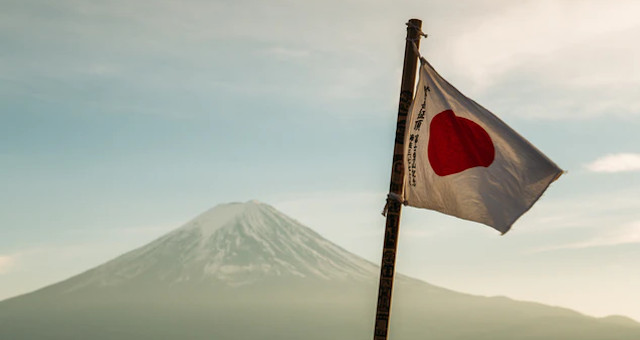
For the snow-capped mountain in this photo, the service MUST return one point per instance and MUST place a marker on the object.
(232, 244)
(246, 271)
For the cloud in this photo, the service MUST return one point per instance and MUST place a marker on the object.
(598, 219)
(620, 162)
(6, 262)
(626, 234)
(574, 61)
(541, 22)
(287, 53)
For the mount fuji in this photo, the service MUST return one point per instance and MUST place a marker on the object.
(247, 271)
(230, 245)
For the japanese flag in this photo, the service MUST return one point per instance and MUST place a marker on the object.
(462, 160)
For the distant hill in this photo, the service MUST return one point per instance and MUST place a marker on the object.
(246, 271)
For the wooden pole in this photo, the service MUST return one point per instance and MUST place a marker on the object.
(394, 208)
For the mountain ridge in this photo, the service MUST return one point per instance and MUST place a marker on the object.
(245, 271)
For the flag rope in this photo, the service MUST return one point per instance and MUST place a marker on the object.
(414, 41)
(392, 196)
(418, 29)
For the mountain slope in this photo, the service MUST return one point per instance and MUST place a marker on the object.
(234, 244)
(247, 271)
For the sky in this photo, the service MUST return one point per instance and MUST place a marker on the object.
(122, 120)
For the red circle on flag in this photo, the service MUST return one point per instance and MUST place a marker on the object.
(457, 144)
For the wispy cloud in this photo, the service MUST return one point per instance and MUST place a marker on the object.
(602, 219)
(287, 52)
(579, 74)
(172, 58)
(620, 162)
(592, 18)
(625, 234)
(6, 262)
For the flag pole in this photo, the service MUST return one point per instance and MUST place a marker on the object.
(394, 206)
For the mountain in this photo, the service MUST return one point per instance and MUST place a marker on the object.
(230, 245)
(247, 271)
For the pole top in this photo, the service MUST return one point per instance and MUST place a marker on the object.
(414, 26)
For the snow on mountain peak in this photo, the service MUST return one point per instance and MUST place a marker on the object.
(218, 216)
(233, 244)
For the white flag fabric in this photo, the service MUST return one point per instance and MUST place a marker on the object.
(462, 160)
